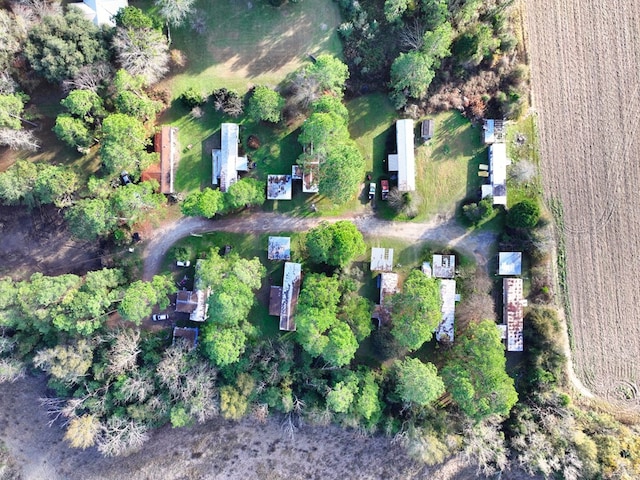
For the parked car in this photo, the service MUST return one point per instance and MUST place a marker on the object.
(185, 263)
(372, 190)
(124, 176)
(160, 317)
(384, 188)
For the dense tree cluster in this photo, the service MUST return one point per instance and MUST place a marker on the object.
(34, 184)
(335, 244)
(207, 203)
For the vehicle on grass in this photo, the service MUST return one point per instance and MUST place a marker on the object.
(384, 189)
(160, 317)
(124, 176)
(183, 263)
(372, 190)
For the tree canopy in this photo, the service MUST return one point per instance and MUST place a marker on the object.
(265, 104)
(418, 382)
(59, 45)
(124, 145)
(524, 214)
(415, 311)
(475, 374)
(334, 244)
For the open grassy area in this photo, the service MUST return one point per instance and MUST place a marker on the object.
(247, 43)
(522, 147)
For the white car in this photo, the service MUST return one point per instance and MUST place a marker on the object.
(180, 263)
(159, 317)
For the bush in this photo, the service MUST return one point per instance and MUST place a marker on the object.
(192, 98)
(265, 104)
(525, 214)
(475, 213)
(227, 101)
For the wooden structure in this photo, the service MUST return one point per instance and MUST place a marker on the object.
(513, 306)
(427, 129)
(190, 336)
(165, 143)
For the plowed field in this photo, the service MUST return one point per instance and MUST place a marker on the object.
(585, 66)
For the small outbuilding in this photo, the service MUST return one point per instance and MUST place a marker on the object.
(279, 187)
(444, 266)
(509, 263)
(275, 300)
(188, 335)
(311, 177)
(101, 12)
(495, 131)
(427, 129)
(381, 259)
(279, 248)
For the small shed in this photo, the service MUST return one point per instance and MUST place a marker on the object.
(495, 131)
(381, 259)
(279, 248)
(189, 335)
(509, 263)
(279, 187)
(186, 301)
(388, 285)
(444, 266)
(311, 177)
(427, 129)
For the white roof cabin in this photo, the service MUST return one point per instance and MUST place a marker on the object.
(101, 12)
(381, 259)
(225, 161)
(290, 292)
(509, 263)
(444, 332)
(388, 285)
(513, 303)
(279, 248)
(279, 187)
(494, 131)
(498, 162)
(404, 162)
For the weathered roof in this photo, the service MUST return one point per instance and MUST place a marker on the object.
(513, 303)
(202, 292)
(494, 131)
(186, 301)
(311, 177)
(279, 248)
(279, 187)
(101, 12)
(509, 263)
(427, 129)
(190, 335)
(388, 285)
(444, 266)
(275, 300)
(290, 292)
(444, 332)
(381, 259)
(404, 162)
(165, 143)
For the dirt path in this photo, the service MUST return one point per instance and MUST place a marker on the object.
(441, 230)
(584, 56)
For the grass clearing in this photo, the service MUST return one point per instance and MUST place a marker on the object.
(522, 147)
(249, 43)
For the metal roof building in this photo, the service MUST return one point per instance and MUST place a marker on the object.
(498, 162)
(513, 304)
(225, 161)
(290, 293)
(444, 332)
(404, 162)
(381, 259)
(101, 12)
(444, 266)
(509, 263)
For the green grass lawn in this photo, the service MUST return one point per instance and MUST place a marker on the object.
(249, 43)
(522, 147)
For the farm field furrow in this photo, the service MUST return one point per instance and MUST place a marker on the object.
(584, 57)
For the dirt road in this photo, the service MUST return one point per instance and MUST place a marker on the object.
(584, 57)
(441, 230)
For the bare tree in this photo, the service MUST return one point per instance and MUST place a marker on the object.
(523, 171)
(67, 363)
(143, 52)
(124, 351)
(484, 444)
(412, 35)
(19, 139)
(121, 436)
(90, 77)
(11, 370)
(137, 387)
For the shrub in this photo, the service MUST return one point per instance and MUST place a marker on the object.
(525, 214)
(192, 98)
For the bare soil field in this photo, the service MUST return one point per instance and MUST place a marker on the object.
(217, 450)
(38, 241)
(584, 57)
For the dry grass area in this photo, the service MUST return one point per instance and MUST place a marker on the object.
(584, 57)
